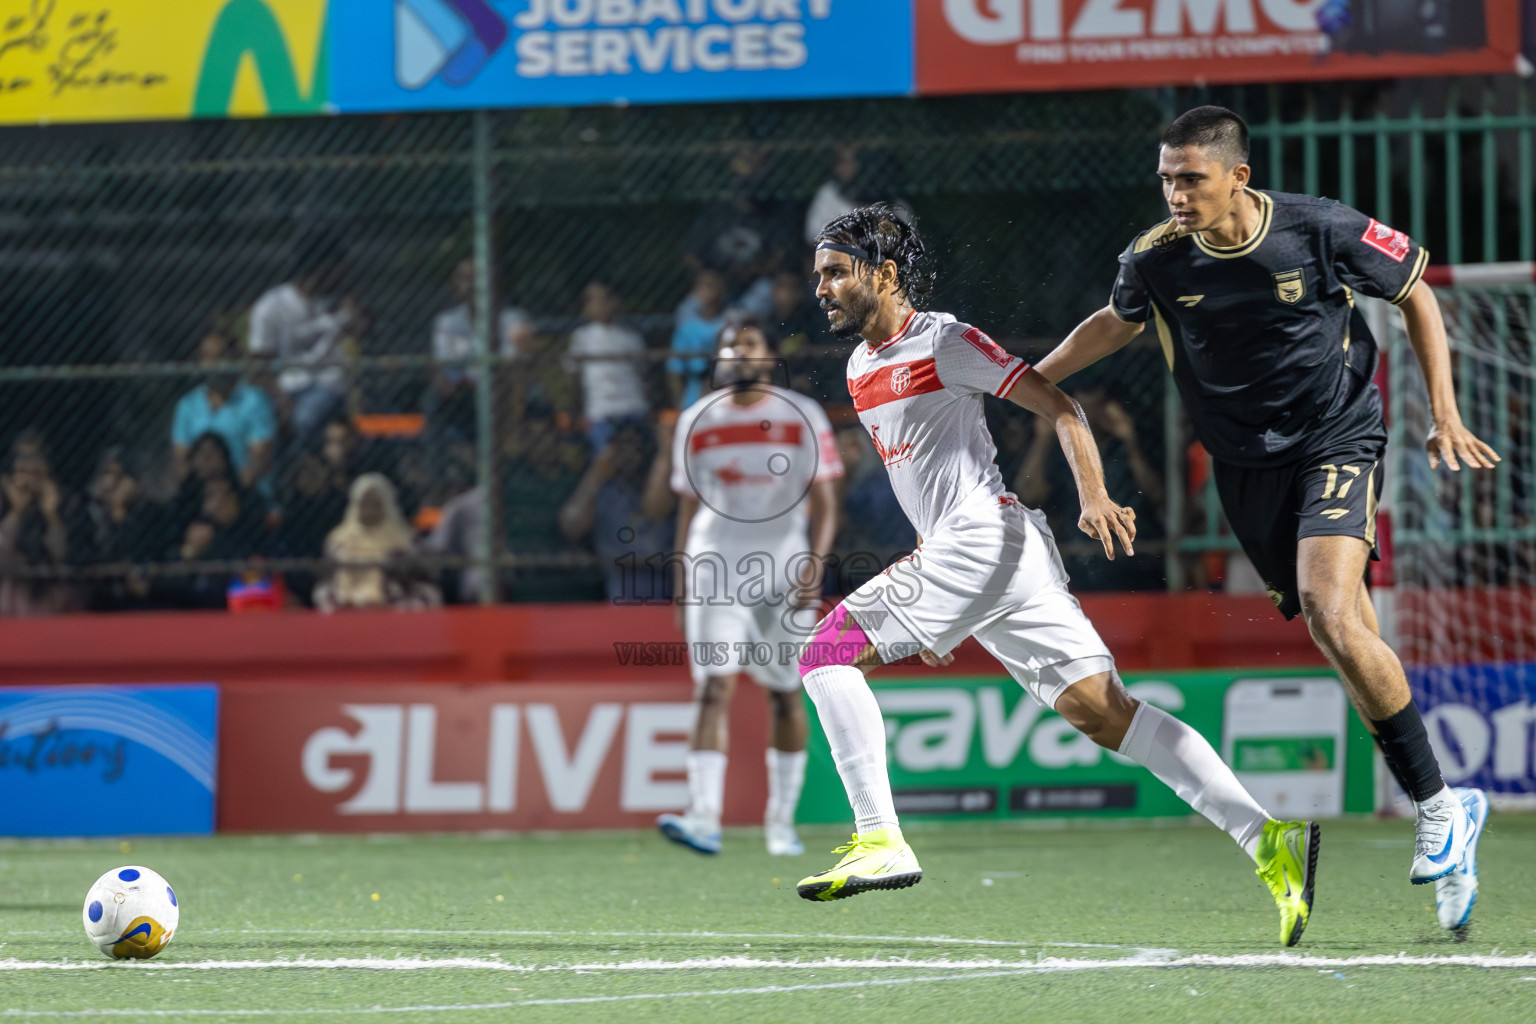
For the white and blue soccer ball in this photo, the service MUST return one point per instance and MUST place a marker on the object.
(131, 913)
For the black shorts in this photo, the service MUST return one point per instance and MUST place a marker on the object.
(1270, 509)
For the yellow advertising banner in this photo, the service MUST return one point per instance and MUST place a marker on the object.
(122, 60)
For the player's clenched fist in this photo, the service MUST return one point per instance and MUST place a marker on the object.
(1103, 520)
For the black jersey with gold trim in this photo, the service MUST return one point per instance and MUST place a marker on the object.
(1272, 359)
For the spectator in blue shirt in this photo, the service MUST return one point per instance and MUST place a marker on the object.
(226, 405)
(700, 317)
(622, 509)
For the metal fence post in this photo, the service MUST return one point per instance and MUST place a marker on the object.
(487, 323)
(1396, 355)
(1173, 484)
(1525, 186)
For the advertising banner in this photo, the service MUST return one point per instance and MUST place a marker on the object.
(1482, 724)
(390, 758)
(399, 757)
(107, 760)
(126, 60)
(968, 748)
(439, 54)
(966, 46)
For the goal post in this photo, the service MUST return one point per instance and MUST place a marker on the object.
(1456, 589)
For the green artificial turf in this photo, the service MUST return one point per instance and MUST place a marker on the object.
(624, 926)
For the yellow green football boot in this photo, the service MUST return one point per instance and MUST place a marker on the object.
(1287, 859)
(875, 860)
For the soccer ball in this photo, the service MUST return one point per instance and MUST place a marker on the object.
(130, 913)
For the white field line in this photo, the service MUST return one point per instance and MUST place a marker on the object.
(820, 936)
(1049, 967)
(1140, 958)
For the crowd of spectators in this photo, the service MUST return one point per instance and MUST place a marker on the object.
(274, 482)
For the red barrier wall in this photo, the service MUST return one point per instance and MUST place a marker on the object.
(514, 717)
(547, 643)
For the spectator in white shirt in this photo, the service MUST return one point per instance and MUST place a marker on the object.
(611, 361)
(449, 402)
(293, 324)
(837, 195)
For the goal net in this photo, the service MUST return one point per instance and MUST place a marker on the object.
(1457, 588)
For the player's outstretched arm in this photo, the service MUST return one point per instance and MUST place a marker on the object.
(1449, 439)
(1102, 519)
(1096, 337)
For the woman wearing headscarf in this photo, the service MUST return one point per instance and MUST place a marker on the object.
(370, 552)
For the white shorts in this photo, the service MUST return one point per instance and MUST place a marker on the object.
(991, 571)
(749, 637)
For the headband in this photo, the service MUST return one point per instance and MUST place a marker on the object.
(851, 250)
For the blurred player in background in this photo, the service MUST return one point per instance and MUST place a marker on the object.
(985, 566)
(1252, 295)
(754, 466)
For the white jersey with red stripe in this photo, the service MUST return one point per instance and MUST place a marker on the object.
(919, 394)
(751, 467)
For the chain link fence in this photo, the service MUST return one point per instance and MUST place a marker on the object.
(1464, 543)
(219, 336)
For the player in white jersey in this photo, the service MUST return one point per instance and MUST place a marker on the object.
(754, 466)
(985, 566)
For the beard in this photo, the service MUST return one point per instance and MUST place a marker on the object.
(858, 310)
(739, 374)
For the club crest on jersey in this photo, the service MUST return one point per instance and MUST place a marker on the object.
(1389, 241)
(901, 379)
(1290, 286)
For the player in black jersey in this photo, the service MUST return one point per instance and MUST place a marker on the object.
(1252, 297)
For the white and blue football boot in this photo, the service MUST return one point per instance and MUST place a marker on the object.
(686, 830)
(1440, 836)
(1456, 892)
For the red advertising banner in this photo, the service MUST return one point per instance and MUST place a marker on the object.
(395, 758)
(969, 46)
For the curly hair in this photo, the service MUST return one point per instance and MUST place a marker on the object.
(885, 231)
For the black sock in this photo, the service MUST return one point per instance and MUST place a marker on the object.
(1405, 746)
(1391, 762)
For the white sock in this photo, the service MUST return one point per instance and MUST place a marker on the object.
(1182, 759)
(786, 777)
(1437, 801)
(706, 785)
(856, 733)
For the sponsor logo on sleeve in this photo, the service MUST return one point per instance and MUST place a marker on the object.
(1385, 240)
(987, 347)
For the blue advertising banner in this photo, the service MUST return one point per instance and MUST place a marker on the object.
(1482, 724)
(107, 760)
(438, 54)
